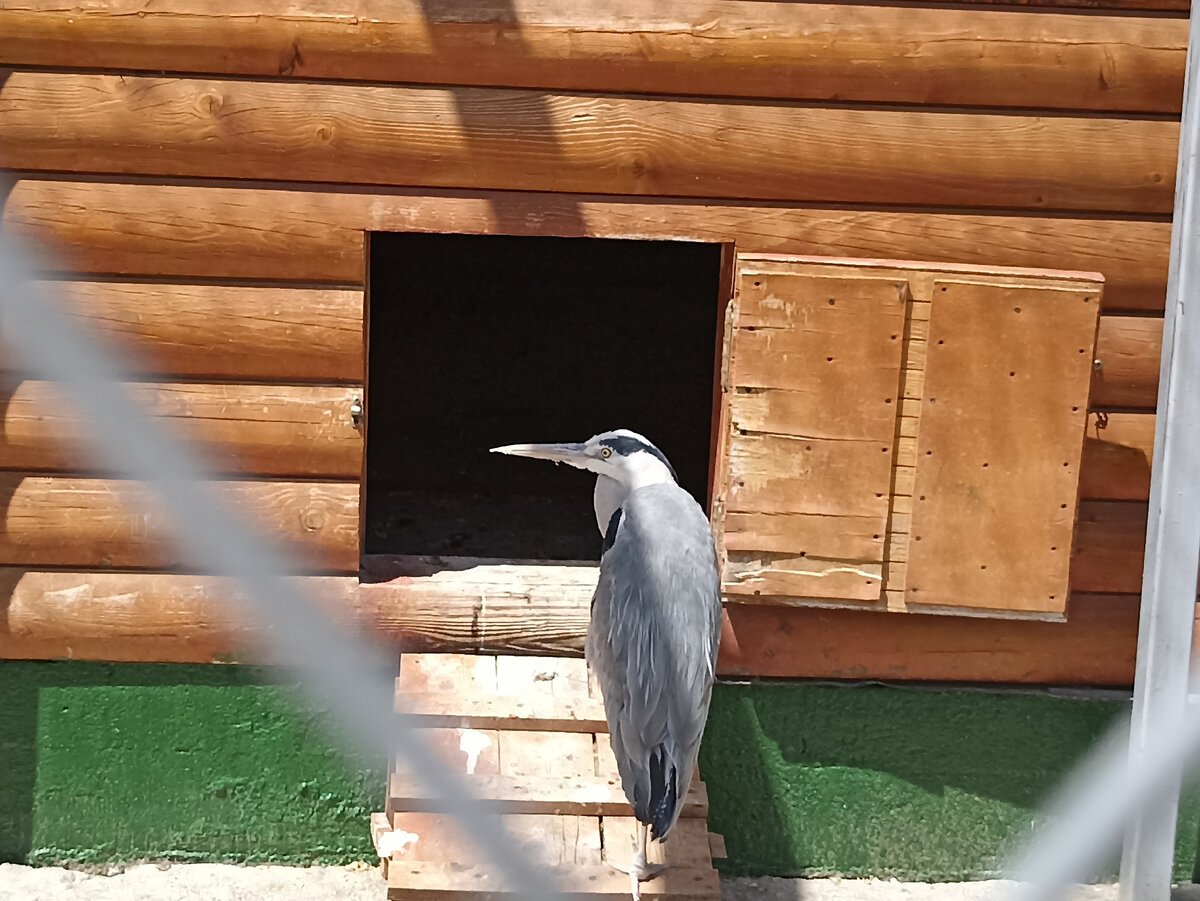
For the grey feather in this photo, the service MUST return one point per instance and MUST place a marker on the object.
(652, 643)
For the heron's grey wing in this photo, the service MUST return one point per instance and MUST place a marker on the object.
(652, 644)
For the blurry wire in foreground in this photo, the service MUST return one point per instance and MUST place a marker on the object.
(1091, 810)
(1131, 781)
(350, 675)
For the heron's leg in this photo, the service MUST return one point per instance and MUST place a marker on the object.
(638, 870)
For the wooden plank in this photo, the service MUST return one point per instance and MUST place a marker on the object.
(516, 794)
(458, 882)
(77, 522)
(472, 752)
(544, 840)
(284, 431)
(465, 711)
(178, 231)
(447, 673)
(720, 48)
(519, 140)
(1128, 348)
(225, 331)
(1001, 436)
(548, 679)
(716, 845)
(547, 754)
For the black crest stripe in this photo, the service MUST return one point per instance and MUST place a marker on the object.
(625, 446)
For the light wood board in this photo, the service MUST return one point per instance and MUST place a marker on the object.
(1000, 439)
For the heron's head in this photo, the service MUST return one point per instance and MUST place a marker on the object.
(623, 456)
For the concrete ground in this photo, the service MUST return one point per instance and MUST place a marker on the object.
(220, 882)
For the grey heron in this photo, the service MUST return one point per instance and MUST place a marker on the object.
(655, 623)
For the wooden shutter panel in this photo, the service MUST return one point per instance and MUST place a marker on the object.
(852, 471)
(814, 373)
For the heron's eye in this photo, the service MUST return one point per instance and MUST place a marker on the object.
(606, 452)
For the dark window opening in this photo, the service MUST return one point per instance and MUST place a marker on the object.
(479, 341)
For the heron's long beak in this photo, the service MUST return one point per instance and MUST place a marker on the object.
(571, 454)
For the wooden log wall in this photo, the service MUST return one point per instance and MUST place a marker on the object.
(205, 181)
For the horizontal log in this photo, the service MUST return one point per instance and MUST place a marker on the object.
(1117, 454)
(800, 51)
(183, 231)
(193, 619)
(76, 522)
(1110, 542)
(225, 331)
(522, 140)
(1095, 646)
(285, 431)
(1129, 350)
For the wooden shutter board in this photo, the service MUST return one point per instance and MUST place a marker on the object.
(997, 504)
(789, 528)
(751, 555)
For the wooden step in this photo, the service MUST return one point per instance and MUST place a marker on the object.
(521, 794)
(453, 882)
(544, 713)
(530, 735)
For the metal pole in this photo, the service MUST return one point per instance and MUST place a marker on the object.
(1173, 531)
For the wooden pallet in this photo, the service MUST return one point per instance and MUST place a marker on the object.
(530, 732)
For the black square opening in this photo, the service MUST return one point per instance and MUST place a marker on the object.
(478, 341)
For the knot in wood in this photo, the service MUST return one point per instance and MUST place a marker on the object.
(210, 102)
(314, 520)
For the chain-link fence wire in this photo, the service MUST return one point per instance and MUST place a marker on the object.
(353, 676)
(350, 675)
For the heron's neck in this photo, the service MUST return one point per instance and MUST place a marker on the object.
(607, 499)
(610, 494)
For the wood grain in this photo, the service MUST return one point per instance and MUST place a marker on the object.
(805, 513)
(546, 839)
(608, 144)
(581, 795)
(177, 618)
(712, 47)
(1129, 350)
(1117, 454)
(261, 430)
(1001, 434)
(1110, 543)
(179, 231)
(587, 883)
(1163, 5)
(1095, 646)
(229, 332)
(186, 619)
(76, 522)
(449, 710)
